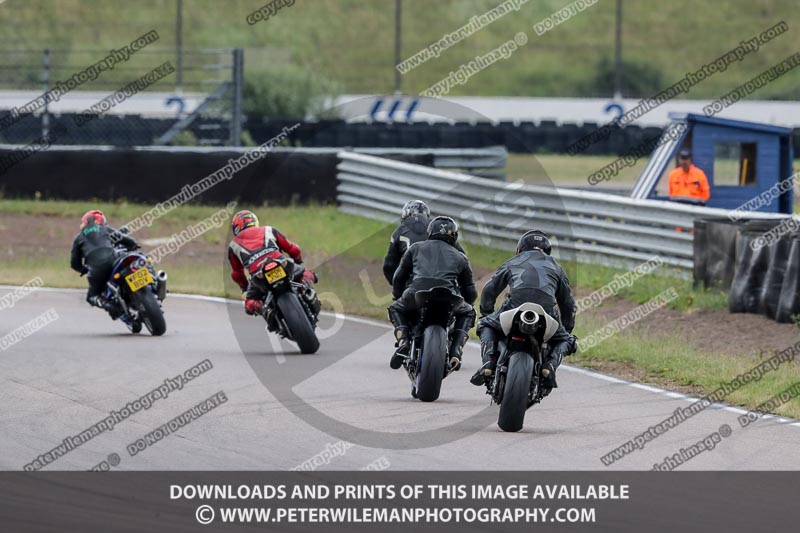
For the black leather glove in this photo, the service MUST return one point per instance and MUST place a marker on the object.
(571, 345)
(84, 271)
(299, 261)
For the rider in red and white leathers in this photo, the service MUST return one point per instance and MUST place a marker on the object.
(251, 248)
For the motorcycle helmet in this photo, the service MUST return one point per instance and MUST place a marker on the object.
(93, 218)
(243, 219)
(415, 207)
(534, 240)
(443, 228)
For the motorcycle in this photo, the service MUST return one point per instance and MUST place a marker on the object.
(291, 308)
(136, 291)
(427, 364)
(517, 383)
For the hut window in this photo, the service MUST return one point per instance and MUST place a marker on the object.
(734, 164)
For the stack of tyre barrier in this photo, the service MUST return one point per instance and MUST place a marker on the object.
(151, 176)
(761, 271)
(518, 137)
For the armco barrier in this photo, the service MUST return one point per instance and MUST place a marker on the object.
(587, 226)
(517, 137)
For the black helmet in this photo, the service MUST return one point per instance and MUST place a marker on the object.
(533, 240)
(415, 207)
(443, 228)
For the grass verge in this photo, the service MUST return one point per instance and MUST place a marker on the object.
(670, 361)
(326, 234)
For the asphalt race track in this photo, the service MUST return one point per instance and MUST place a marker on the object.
(62, 379)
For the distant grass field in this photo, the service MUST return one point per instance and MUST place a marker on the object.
(563, 169)
(351, 41)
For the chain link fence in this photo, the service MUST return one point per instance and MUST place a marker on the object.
(150, 97)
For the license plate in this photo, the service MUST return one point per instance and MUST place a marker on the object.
(276, 274)
(140, 278)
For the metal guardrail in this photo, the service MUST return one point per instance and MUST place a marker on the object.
(487, 162)
(585, 226)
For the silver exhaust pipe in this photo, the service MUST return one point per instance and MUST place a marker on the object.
(527, 321)
(161, 285)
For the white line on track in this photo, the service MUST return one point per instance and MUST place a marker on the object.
(577, 370)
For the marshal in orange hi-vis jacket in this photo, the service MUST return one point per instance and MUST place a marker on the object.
(688, 181)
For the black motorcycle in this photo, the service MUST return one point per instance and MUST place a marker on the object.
(427, 364)
(135, 292)
(291, 308)
(517, 383)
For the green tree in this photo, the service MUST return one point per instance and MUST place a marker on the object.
(287, 91)
(639, 80)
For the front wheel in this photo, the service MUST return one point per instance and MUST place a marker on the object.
(299, 325)
(515, 394)
(151, 313)
(431, 364)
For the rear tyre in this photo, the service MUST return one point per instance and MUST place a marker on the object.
(515, 395)
(432, 363)
(151, 314)
(297, 320)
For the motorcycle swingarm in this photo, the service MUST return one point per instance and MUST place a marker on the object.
(410, 363)
(127, 311)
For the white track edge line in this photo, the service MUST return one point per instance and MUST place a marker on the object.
(577, 370)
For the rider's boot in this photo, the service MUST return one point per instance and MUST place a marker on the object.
(551, 363)
(96, 301)
(460, 338)
(253, 306)
(488, 355)
(105, 304)
(403, 344)
(402, 334)
(113, 309)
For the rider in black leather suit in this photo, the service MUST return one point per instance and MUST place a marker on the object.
(413, 227)
(433, 263)
(93, 254)
(531, 276)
